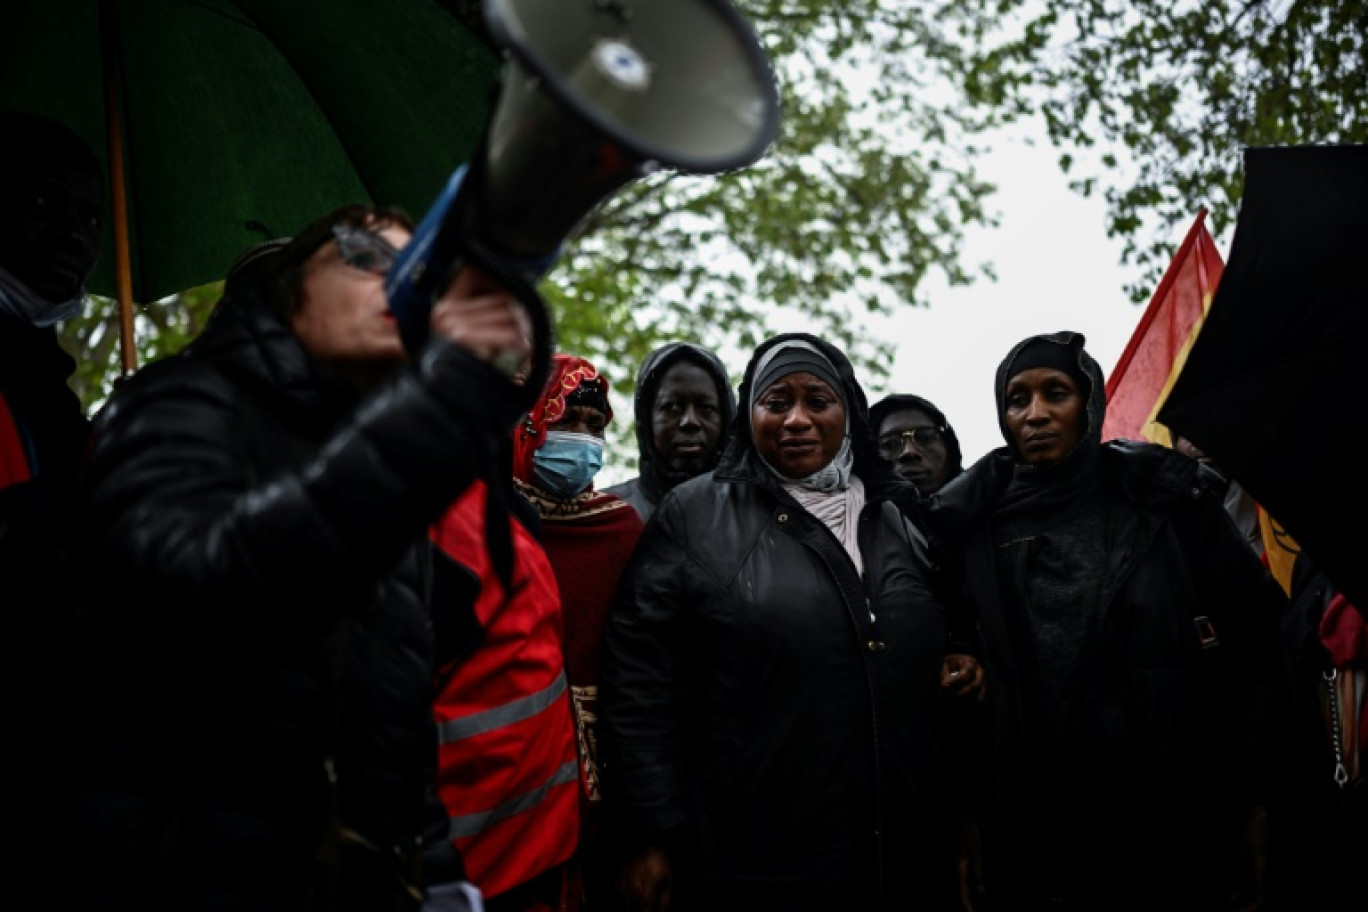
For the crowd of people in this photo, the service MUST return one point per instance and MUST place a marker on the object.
(321, 623)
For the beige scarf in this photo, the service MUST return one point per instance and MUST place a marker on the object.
(838, 510)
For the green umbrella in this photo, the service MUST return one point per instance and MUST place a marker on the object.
(226, 122)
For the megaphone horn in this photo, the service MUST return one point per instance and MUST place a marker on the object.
(594, 94)
(598, 92)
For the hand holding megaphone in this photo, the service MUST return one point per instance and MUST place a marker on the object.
(479, 315)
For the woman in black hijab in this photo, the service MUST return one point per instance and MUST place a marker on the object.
(772, 670)
(1128, 634)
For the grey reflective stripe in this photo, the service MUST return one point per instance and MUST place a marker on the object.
(499, 716)
(470, 824)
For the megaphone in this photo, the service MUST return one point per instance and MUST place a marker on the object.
(593, 94)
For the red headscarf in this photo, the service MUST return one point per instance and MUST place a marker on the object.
(588, 539)
(567, 373)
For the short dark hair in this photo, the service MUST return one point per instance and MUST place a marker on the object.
(285, 279)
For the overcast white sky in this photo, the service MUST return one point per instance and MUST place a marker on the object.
(1057, 270)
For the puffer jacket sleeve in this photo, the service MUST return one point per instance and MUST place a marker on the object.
(645, 678)
(181, 494)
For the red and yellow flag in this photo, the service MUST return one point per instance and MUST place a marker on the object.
(1155, 355)
(1280, 550)
(1158, 348)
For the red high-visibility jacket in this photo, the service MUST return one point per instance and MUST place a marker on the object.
(507, 766)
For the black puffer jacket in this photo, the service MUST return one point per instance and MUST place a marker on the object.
(767, 712)
(259, 620)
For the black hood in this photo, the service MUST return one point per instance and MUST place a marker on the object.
(656, 479)
(954, 457)
(1096, 407)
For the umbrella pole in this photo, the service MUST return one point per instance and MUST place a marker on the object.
(122, 266)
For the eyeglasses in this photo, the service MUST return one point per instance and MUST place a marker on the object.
(363, 249)
(890, 445)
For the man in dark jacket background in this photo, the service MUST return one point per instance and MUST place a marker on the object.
(51, 199)
(51, 202)
(914, 435)
(683, 405)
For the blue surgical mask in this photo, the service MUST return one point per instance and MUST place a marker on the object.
(567, 462)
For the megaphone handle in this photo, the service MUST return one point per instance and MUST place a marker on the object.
(512, 278)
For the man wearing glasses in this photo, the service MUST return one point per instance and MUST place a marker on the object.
(913, 434)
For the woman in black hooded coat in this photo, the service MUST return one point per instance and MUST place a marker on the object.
(692, 415)
(770, 685)
(1129, 634)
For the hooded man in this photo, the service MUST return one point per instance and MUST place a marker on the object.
(683, 405)
(914, 435)
(51, 200)
(51, 197)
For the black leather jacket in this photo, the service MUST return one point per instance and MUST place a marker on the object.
(1168, 749)
(769, 713)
